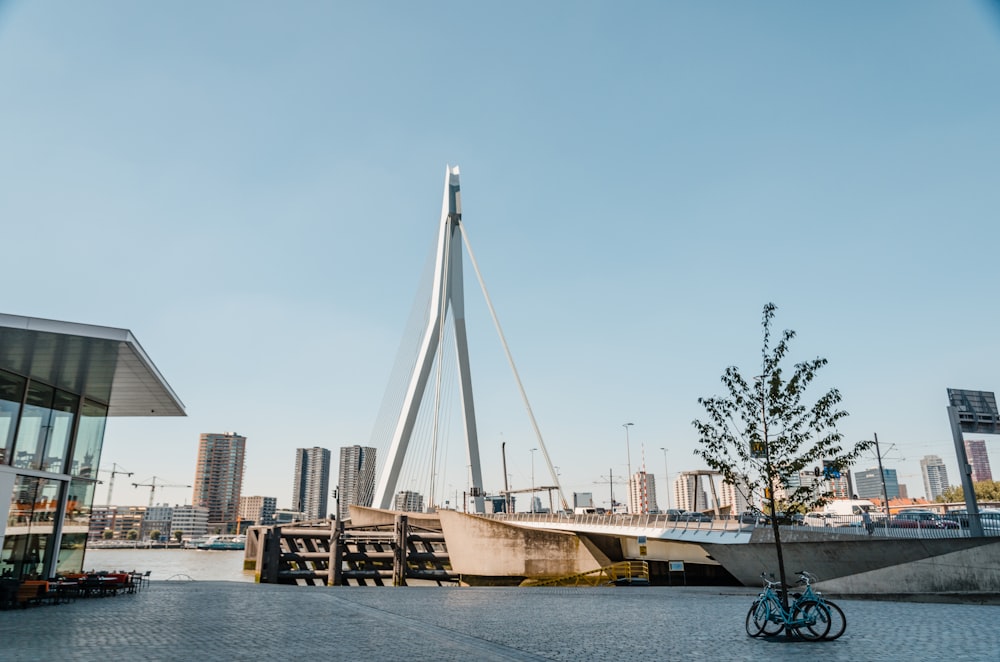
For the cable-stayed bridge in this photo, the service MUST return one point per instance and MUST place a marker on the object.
(415, 433)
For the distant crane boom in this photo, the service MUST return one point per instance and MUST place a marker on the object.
(114, 470)
(152, 485)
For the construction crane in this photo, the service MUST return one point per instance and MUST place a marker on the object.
(152, 485)
(114, 471)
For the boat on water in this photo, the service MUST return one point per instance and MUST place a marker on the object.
(223, 542)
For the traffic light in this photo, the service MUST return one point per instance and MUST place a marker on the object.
(816, 471)
(830, 470)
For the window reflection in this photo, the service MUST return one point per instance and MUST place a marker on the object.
(89, 437)
(64, 408)
(11, 394)
(36, 425)
(30, 525)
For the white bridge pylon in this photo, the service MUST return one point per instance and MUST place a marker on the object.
(447, 291)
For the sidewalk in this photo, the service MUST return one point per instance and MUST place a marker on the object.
(202, 621)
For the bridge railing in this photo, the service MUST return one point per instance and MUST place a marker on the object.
(644, 521)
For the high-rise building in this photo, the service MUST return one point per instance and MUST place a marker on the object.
(642, 493)
(935, 476)
(408, 502)
(975, 450)
(738, 497)
(218, 478)
(257, 510)
(311, 490)
(868, 485)
(355, 479)
(688, 492)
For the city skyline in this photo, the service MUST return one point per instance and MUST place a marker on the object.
(258, 191)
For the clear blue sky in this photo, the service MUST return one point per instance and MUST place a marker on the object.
(252, 189)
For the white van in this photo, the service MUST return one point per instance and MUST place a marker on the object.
(850, 512)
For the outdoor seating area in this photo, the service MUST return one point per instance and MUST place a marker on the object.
(65, 588)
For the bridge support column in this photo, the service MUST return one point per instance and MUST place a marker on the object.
(334, 571)
(399, 552)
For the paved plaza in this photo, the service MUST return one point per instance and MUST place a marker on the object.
(237, 621)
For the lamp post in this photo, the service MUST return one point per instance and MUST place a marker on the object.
(666, 476)
(533, 479)
(628, 458)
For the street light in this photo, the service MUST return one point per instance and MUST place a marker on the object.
(533, 479)
(666, 476)
(628, 458)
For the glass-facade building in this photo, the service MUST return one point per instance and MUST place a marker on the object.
(59, 383)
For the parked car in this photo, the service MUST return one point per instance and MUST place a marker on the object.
(674, 514)
(921, 519)
(990, 518)
(790, 519)
(691, 516)
(752, 517)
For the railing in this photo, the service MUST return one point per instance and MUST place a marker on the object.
(953, 526)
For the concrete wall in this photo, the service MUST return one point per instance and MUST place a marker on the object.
(486, 548)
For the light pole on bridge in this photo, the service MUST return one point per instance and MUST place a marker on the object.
(628, 458)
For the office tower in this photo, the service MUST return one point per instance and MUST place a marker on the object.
(356, 478)
(409, 502)
(258, 509)
(935, 476)
(975, 450)
(218, 478)
(868, 485)
(641, 492)
(311, 491)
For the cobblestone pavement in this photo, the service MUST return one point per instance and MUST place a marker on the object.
(198, 621)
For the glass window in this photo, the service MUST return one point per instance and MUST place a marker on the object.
(36, 425)
(64, 408)
(11, 394)
(89, 438)
(30, 524)
(75, 525)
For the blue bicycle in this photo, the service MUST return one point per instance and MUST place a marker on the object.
(806, 616)
(838, 621)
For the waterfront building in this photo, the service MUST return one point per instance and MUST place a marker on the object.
(218, 478)
(311, 484)
(285, 516)
(642, 493)
(257, 510)
(115, 522)
(407, 501)
(355, 478)
(59, 383)
(157, 518)
(975, 450)
(191, 521)
(935, 476)
(868, 484)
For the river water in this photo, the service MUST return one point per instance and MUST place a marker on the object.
(172, 564)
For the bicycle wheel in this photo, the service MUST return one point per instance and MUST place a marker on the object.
(838, 622)
(756, 618)
(815, 619)
(772, 623)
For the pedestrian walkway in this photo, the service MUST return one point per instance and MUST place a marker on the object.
(208, 621)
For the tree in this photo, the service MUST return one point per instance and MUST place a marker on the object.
(762, 434)
(178, 535)
(986, 490)
(154, 535)
(132, 535)
(108, 534)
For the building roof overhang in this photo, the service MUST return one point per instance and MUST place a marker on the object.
(99, 362)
